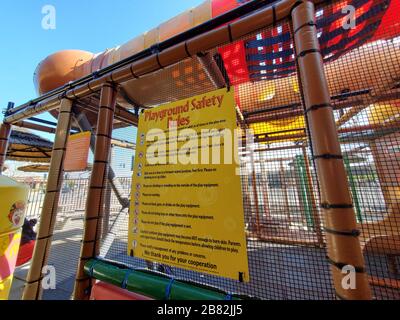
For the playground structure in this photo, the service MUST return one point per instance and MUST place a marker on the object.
(323, 102)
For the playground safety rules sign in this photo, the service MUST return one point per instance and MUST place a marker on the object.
(186, 201)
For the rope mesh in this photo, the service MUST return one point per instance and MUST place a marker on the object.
(281, 196)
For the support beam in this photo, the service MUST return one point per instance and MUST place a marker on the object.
(97, 188)
(343, 245)
(34, 126)
(33, 287)
(211, 69)
(121, 114)
(116, 186)
(5, 131)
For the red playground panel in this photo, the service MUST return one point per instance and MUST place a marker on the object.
(105, 291)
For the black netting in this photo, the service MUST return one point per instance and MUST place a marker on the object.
(283, 219)
(366, 102)
(286, 247)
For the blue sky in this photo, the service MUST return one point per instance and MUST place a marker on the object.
(84, 24)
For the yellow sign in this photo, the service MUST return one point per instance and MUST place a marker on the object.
(186, 202)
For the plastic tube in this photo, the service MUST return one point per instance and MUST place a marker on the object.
(151, 284)
(342, 243)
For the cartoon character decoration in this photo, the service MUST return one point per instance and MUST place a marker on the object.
(13, 199)
(16, 214)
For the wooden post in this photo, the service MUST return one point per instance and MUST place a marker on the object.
(5, 131)
(33, 288)
(343, 245)
(97, 189)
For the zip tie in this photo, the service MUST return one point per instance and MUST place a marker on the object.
(341, 265)
(125, 281)
(317, 106)
(45, 237)
(168, 289)
(306, 52)
(93, 218)
(102, 134)
(295, 6)
(336, 206)
(101, 161)
(228, 296)
(307, 24)
(89, 241)
(34, 281)
(328, 156)
(187, 50)
(353, 233)
(109, 108)
(133, 73)
(91, 269)
(158, 61)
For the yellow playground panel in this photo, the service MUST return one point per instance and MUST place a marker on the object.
(13, 202)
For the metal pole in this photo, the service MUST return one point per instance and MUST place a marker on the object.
(255, 195)
(314, 209)
(380, 172)
(97, 188)
(302, 178)
(286, 207)
(264, 189)
(353, 188)
(33, 288)
(107, 202)
(343, 245)
(211, 69)
(116, 186)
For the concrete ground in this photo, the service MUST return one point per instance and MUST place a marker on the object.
(276, 271)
